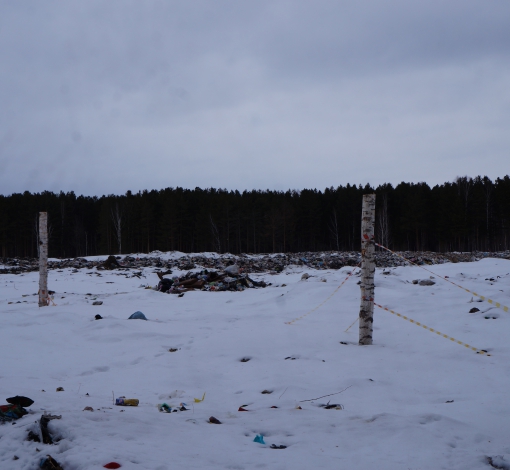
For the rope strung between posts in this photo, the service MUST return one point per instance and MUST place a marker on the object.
(497, 304)
(478, 351)
(321, 304)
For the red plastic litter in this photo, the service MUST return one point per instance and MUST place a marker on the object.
(112, 465)
(242, 409)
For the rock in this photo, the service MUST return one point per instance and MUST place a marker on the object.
(97, 302)
(305, 276)
(474, 310)
(213, 420)
(426, 282)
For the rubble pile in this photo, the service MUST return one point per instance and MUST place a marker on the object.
(232, 279)
(252, 263)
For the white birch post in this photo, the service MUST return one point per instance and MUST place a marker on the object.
(366, 313)
(43, 259)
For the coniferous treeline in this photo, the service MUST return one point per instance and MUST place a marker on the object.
(464, 215)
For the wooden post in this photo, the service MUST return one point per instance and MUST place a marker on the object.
(43, 259)
(366, 313)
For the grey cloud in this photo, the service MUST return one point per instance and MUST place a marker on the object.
(108, 96)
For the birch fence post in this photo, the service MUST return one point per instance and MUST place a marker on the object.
(366, 313)
(43, 259)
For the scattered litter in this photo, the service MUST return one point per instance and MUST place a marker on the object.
(213, 420)
(274, 446)
(32, 436)
(97, 302)
(449, 401)
(60, 389)
(164, 408)
(173, 350)
(230, 279)
(259, 438)
(232, 270)
(474, 310)
(242, 408)
(11, 412)
(112, 465)
(98, 317)
(266, 392)
(198, 400)
(173, 395)
(88, 408)
(245, 359)
(137, 316)
(498, 462)
(110, 263)
(123, 401)
(262, 263)
(43, 423)
(49, 463)
(25, 402)
(333, 406)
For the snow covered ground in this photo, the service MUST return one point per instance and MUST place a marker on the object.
(415, 400)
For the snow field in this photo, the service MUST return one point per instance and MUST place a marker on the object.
(395, 415)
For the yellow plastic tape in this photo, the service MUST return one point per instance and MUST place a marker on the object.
(321, 304)
(479, 351)
(493, 302)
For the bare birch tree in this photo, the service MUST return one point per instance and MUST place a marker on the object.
(366, 313)
(488, 188)
(382, 222)
(43, 259)
(36, 230)
(117, 224)
(215, 235)
(333, 227)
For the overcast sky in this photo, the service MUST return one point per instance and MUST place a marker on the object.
(101, 97)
